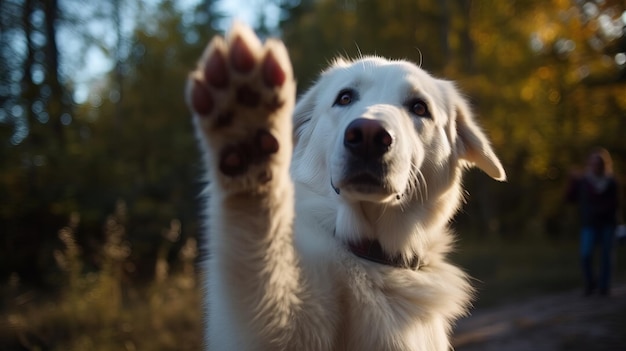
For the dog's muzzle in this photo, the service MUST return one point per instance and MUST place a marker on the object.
(367, 139)
(367, 144)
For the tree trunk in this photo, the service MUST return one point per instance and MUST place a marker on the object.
(466, 37)
(57, 102)
(29, 92)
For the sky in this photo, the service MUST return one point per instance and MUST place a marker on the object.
(247, 11)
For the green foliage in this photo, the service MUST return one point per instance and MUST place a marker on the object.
(506, 271)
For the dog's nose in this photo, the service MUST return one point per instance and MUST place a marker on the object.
(367, 138)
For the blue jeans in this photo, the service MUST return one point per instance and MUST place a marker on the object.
(590, 237)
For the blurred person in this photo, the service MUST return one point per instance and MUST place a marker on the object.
(596, 193)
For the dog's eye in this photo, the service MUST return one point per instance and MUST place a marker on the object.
(345, 97)
(419, 108)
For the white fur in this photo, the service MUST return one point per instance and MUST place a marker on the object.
(279, 276)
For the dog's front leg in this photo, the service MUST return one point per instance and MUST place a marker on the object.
(242, 96)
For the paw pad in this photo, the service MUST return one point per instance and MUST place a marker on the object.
(235, 159)
(201, 100)
(248, 97)
(241, 56)
(216, 70)
(233, 162)
(273, 74)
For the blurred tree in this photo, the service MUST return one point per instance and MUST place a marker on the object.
(317, 31)
(142, 144)
(131, 139)
(531, 88)
(36, 105)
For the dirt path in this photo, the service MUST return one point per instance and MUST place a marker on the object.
(565, 321)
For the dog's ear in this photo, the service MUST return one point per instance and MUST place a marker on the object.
(471, 143)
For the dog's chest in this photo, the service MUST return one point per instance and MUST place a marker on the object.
(375, 315)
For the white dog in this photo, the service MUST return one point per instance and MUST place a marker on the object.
(342, 246)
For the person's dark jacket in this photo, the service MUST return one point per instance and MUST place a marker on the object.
(597, 206)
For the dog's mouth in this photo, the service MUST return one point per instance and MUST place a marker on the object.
(365, 182)
(364, 186)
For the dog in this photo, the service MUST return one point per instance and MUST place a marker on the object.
(328, 219)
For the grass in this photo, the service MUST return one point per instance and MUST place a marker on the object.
(103, 311)
(508, 271)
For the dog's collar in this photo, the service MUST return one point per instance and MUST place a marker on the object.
(372, 251)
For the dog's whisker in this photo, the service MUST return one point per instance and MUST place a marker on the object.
(408, 192)
(417, 186)
(421, 60)
(424, 185)
(382, 212)
(358, 49)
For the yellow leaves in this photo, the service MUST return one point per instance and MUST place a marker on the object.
(554, 96)
(498, 137)
(544, 72)
(589, 129)
(538, 163)
(538, 87)
(533, 86)
(527, 93)
(543, 28)
(620, 97)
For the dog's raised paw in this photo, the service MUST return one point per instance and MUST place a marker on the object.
(242, 95)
